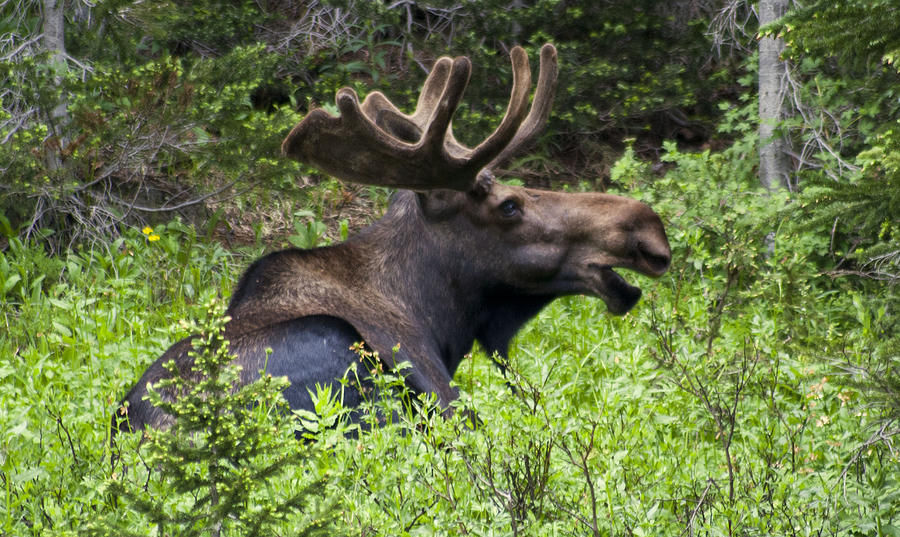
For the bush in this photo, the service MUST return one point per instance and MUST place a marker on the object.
(722, 404)
(219, 469)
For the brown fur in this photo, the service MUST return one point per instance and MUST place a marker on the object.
(455, 262)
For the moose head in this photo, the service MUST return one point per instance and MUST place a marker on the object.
(458, 257)
(537, 241)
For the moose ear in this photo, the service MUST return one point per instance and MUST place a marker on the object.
(483, 185)
(440, 204)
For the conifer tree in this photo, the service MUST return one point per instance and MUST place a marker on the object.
(225, 449)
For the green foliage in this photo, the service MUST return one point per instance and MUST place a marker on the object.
(76, 331)
(862, 214)
(167, 126)
(172, 102)
(852, 30)
(307, 234)
(751, 392)
(846, 78)
(761, 339)
(627, 68)
(733, 399)
(208, 27)
(849, 115)
(215, 470)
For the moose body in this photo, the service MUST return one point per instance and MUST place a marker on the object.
(457, 258)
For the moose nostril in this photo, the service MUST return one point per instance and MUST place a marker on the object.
(657, 261)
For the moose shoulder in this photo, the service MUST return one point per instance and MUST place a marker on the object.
(455, 259)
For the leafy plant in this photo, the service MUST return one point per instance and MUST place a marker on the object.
(211, 471)
(307, 234)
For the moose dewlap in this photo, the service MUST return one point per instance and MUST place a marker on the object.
(455, 259)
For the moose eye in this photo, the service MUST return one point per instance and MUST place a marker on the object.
(509, 208)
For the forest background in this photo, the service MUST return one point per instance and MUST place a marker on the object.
(754, 390)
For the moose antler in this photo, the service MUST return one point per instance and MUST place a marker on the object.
(374, 143)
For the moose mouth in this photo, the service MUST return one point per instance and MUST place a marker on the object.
(619, 295)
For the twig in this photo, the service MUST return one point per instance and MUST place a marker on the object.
(59, 425)
(874, 439)
(188, 203)
(690, 523)
(18, 49)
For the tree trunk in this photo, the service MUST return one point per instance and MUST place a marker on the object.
(53, 38)
(774, 162)
(516, 27)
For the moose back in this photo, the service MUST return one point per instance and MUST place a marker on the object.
(457, 258)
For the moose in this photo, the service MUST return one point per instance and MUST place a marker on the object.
(456, 258)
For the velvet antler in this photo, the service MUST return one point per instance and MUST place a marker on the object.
(375, 143)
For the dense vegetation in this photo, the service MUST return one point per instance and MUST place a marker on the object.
(754, 390)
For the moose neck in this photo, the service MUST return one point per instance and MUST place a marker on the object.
(439, 288)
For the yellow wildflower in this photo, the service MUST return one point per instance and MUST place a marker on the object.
(147, 230)
(152, 238)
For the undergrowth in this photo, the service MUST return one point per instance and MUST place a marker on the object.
(732, 401)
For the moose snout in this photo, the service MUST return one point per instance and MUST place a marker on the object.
(654, 257)
(650, 246)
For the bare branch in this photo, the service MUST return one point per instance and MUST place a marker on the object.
(189, 203)
(882, 435)
(819, 127)
(689, 528)
(27, 44)
(729, 27)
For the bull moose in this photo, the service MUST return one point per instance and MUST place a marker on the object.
(457, 257)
